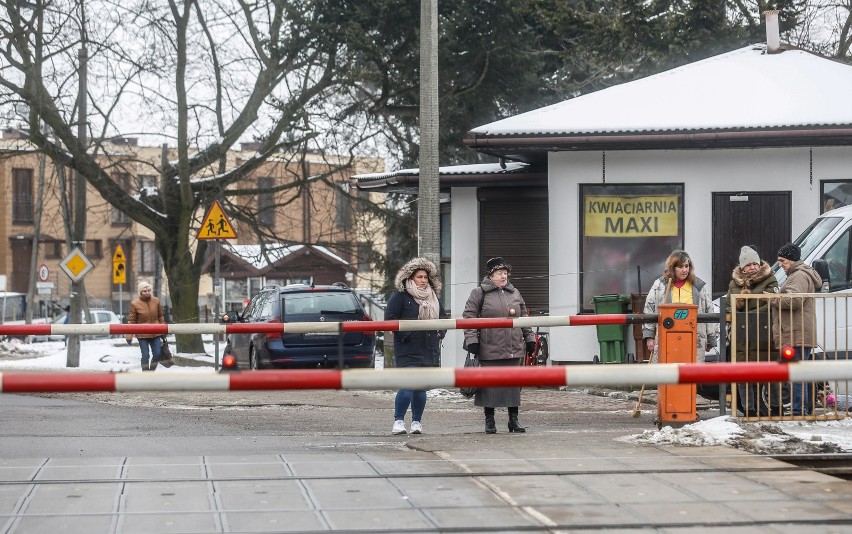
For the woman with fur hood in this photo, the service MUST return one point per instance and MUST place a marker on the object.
(754, 339)
(417, 286)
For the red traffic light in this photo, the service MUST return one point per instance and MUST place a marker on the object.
(788, 353)
(229, 362)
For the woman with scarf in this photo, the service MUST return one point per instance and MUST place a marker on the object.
(417, 285)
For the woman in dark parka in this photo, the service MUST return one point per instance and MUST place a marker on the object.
(417, 286)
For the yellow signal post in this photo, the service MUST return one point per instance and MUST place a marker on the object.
(216, 224)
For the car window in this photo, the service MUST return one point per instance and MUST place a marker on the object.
(265, 306)
(249, 311)
(331, 302)
(838, 262)
(101, 317)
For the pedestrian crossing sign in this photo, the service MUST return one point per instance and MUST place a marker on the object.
(216, 225)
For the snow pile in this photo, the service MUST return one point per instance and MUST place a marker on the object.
(760, 438)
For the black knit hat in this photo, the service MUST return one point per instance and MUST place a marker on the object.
(495, 264)
(790, 252)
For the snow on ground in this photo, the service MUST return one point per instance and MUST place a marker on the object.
(113, 354)
(108, 354)
(775, 437)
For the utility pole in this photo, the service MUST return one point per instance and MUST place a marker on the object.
(428, 201)
(78, 289)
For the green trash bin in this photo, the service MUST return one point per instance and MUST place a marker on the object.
(611, 336)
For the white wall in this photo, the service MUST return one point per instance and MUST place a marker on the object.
(465, 269)
(702, 172)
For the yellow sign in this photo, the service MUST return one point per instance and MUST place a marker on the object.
(216, 225)
(119, 266)
(76, 265)
(613, 216)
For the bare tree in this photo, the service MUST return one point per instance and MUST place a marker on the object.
(204, 75)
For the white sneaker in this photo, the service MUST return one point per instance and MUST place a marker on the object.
(398, 427)
(416, 427)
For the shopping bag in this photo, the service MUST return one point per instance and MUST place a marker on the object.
(165, 358)
(470, 361)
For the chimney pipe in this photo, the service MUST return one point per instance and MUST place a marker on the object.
(773, 35)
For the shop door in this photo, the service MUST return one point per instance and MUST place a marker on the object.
(513, 223)
(21, 252)
(759, 219)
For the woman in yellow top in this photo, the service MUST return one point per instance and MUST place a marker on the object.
(679, 285)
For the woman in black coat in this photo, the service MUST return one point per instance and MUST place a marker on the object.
(417, 287)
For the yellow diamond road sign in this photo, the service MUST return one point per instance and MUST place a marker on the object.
(216, 225)
(76, 265)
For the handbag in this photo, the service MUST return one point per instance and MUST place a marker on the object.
(470, 361)
(165, 358)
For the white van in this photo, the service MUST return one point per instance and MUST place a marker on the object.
(827, 246)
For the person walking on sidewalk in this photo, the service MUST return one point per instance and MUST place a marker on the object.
(794, 318)
(498, 347)
(417, 286)
(146, 309)
(680, 285)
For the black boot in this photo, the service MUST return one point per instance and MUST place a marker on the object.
(514, 426)
(490, 425)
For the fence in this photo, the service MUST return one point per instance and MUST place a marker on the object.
(816, 326)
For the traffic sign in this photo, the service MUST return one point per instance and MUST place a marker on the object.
(43, 273)
(76, 265)
(119, 266)
(215, 224)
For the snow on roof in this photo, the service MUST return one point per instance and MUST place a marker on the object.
(745, 88)
(454, 170)
(253, 254)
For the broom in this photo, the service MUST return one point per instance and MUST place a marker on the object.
(636, 411)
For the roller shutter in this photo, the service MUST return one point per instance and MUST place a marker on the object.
(513, 223)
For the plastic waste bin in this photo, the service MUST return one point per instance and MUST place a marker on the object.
(611, 337)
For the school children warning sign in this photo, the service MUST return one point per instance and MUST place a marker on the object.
(613, 216)
(216, 225)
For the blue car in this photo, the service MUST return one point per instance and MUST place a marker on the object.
(301, 304)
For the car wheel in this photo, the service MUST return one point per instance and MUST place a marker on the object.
(253, 363)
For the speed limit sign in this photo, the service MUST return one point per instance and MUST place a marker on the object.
(43, 273)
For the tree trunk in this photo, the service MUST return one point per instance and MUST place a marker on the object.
(183, 276)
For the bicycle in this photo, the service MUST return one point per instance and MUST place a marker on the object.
(541, 352)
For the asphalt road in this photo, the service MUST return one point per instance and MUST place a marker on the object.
(97, 424)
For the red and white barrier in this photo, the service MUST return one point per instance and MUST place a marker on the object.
(447, 377)
(333, 327)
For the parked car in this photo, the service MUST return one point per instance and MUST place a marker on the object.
(301, 304)
(98, 317)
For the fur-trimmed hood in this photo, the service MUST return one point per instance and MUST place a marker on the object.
(746, 281)
(412, 267)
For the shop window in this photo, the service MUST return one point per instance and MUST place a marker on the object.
(627, 232)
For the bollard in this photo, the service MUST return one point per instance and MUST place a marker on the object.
(676, 338)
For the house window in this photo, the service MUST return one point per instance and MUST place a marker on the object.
(627, 232)
(343, 207)
(53, 250)
(22, 196)
(119, 218)
(834, 194)
(147, 257)
(93, 249)
(265, 203)
(148, 181)
(365, 252)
